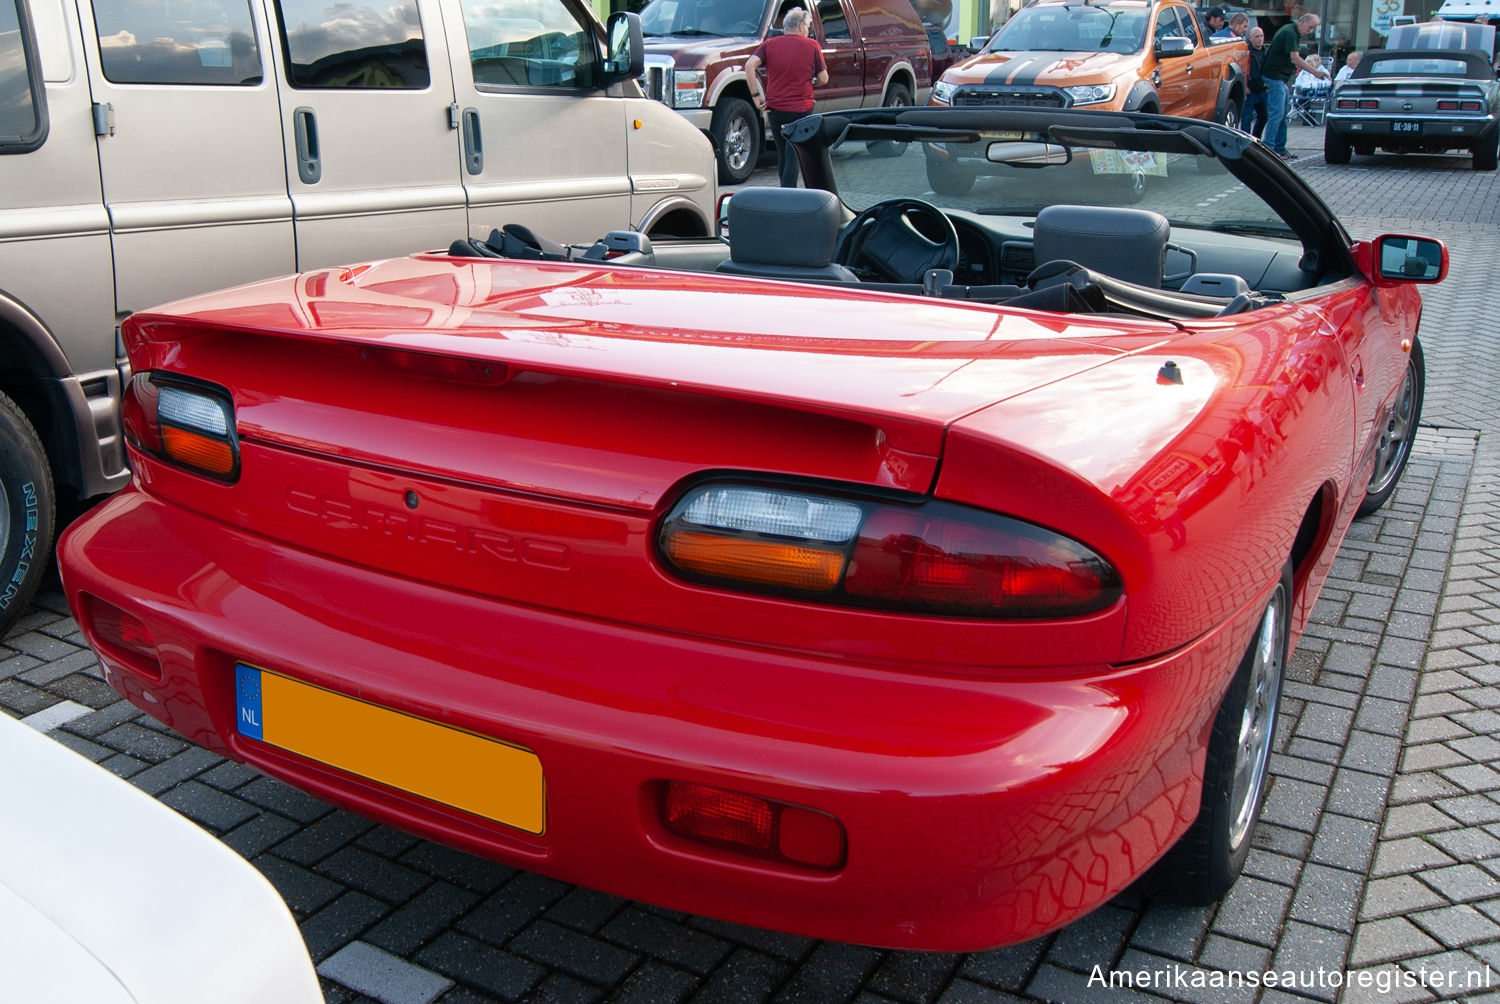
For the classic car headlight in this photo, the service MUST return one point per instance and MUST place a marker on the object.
(188, 423)
(1090, 94)
(687, 88)
(942, 91)
(933, 558)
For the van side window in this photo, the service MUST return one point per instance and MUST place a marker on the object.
(835, 24)
(23, 104)
(187, 42)
(529, 43)
(358, 44)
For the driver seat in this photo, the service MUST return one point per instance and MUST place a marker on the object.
(785, 233)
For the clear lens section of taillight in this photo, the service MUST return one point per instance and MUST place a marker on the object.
(934, 558)
(191, 425)
(827, 521)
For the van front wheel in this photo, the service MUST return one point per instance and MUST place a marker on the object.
(25, 512)
(736, 131)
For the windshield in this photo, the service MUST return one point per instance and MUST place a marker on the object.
(702, 17)
(1423, 67)
(1017, 174)
(1073, 29)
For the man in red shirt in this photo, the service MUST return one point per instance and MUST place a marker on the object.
(794, 65)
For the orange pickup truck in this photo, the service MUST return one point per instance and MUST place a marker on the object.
(1119, 55)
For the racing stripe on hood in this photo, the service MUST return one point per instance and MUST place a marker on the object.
(1020, 70)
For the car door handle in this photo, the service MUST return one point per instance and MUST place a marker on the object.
(309, 161)
(473, 142)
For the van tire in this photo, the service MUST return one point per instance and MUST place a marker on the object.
(737, 140)
(26, 514)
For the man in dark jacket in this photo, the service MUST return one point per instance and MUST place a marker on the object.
(794, 65)
(1254, 119)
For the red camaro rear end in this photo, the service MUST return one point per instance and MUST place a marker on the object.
(866, 616)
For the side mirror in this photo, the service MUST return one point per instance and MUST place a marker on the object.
(1399, 258)
(978, 42)
(626, 58)
(721, 221)
(1174, 46)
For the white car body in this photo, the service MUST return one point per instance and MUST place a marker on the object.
(108, 896)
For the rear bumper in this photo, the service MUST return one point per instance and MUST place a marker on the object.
(1449, 132)
(977, 812)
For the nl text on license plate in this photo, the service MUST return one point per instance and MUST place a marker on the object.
(448, 765)
(1406, 126)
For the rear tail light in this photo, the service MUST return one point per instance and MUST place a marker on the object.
(1458, 106)
(753, 825)
(1357, 103)
(189, 424)
(935, 558)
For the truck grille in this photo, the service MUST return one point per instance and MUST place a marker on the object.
(1010, 97)
(656, 80)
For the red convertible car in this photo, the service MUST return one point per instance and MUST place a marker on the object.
(909, 570)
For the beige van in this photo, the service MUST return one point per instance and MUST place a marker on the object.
(150, 151)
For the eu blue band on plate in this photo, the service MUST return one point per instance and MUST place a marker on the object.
(248, 717)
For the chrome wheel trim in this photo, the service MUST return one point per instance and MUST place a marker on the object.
(1396, 437)
(1257, 720)
(737, 143)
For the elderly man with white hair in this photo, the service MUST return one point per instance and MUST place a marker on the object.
(794, 65)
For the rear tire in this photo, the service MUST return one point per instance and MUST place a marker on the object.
(737, 140)
(1336, 149)
(1394, 448)
(26, 512)
(898, 96)
(1206, 861)
(1486, 151)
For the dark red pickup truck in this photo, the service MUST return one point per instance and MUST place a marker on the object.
(876, 50)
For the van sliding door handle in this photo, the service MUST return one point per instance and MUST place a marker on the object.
(473, 142)
(309, 161)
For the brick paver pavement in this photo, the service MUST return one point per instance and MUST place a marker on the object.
(1379, 851)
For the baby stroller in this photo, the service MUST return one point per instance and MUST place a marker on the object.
(1309, 103)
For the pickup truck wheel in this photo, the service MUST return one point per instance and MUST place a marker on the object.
(949, 179)
(736, 131)
(25, 512)
(1230, 116)
(1336, 149)
(1485, 151)
(897, 97)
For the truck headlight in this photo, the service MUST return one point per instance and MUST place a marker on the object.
(687, 88)
(942, 92)
(1090, 94)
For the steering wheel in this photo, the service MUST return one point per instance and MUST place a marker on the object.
(892, 241)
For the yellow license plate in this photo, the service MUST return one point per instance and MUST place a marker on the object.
(488, 778)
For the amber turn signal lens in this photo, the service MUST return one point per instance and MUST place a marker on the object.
(755, 560)
(195, 450)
